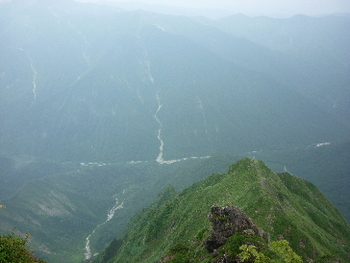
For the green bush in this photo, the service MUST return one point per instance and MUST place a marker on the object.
(180, 254)
(233, 243)
(251, 253)
(13, 249)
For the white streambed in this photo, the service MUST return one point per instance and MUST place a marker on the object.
(161, 147)
(35, 74)
(110, 215)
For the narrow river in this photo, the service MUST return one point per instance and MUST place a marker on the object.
(110, 215)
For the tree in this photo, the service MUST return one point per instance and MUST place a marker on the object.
(13, 249)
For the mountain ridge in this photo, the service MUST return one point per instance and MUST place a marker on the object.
(78, 98)
(94, 100)
(285, 206)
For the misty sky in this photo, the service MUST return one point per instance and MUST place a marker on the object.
(258, 7)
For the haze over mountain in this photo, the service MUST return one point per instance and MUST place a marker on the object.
(213, 9)
(81, 86)
(95, 100)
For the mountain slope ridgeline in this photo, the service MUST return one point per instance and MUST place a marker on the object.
(283, 205)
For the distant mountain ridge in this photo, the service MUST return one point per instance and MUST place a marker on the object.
(93, 99)
(285, 206)
(80, 86)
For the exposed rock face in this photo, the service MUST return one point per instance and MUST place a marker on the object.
(226, 222)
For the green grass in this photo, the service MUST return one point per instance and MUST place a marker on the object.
(283, 205)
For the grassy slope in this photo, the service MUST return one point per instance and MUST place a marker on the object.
(282, 204)
(325, 166)
(61, 210)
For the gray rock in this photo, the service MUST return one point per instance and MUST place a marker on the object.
(226, 221)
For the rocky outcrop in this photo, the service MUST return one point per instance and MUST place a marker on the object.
(226, 221)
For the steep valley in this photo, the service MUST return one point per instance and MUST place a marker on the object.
(101, 109)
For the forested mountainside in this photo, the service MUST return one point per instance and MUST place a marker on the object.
(73, 215)
(72, 205)
(283, 206)
(101, 109)
(81, 84)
